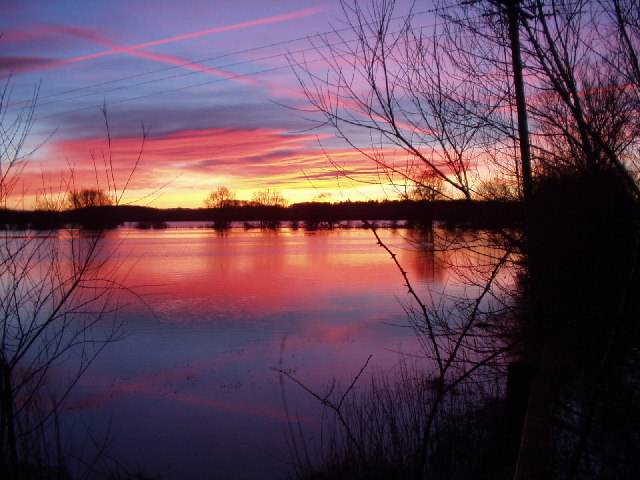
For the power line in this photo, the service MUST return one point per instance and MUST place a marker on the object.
(196, 62)
(175, 89)
(317, 48)
(173, 67)
(218, 57)
(185, 74)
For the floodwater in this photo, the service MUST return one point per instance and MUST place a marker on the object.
(191, 391)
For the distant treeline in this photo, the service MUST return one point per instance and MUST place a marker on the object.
(453, 212)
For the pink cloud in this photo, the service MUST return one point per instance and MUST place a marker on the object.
(13, 64)
(198, 67)
(117, 48)
(17, 36)
(248, 159)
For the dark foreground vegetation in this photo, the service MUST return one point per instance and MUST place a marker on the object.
(532, 370)
(458, 212)
(543, 378)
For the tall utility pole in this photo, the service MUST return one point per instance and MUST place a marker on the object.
(532, 460)
(513, 20)
(534, 452)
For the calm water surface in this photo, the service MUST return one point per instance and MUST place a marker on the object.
(190, 391)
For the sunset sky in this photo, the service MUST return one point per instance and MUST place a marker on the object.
(209, 79)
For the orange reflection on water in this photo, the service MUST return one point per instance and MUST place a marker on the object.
(224, 310)
(255, 271)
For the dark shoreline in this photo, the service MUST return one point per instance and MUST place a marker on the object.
(490, 214)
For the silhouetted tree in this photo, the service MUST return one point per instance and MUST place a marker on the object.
(88, 197)
(496, 189)
(427, 188)
(324, 197)
(220, 198)
(394, 81)
(53, 292)
(269, 198)
(544, 96)
(48, 203)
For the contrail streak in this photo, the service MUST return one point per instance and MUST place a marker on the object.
(115, 48)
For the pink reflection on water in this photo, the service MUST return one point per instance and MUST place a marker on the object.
(219, 309)
(163, 385)
(257, 271)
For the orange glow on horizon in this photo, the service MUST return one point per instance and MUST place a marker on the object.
(179, 169)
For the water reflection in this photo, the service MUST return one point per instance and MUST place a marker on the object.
(190, 390)
(426, 264)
